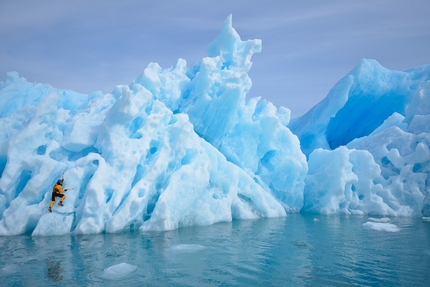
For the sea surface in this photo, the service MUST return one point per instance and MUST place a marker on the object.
(299, 250)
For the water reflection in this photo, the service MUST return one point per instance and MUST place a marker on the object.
(53, 271)
(291, 251)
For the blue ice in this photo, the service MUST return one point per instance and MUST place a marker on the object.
(183, 146)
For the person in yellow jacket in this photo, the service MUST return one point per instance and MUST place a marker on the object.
(57, 191)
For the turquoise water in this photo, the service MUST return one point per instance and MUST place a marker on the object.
(299, 250)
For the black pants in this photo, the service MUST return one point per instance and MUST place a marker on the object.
(56, 194)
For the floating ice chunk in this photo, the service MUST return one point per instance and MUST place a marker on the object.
(118, 271)
(426, 218)
(187, 247)
(382, 226)
(382, 220)
(9, 269)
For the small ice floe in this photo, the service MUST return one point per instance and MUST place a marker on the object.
(316, 219)
(382, 226)
(9, 269)
(382, 220)
(187, 247)
(426, 218)
(118, 271)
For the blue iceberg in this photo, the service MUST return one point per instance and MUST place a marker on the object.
(367, 144)
(183, 146)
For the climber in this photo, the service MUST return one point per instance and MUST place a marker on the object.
(58, 191)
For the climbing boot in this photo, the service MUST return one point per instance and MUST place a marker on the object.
(60, 204)
(49, 209)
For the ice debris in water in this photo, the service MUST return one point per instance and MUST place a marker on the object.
(118, 271)
(187, 247)
(9, 269)
(382, 226)
(382, 220)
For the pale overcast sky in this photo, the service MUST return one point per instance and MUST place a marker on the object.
(308, 46)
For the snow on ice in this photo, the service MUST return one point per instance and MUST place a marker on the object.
(183, 146)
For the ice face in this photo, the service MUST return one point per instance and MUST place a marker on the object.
(250, 134)
(368, 144)
(342, 181)
(143, 166)
(182, 146)
(359, 103)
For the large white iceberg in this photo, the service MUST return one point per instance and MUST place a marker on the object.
(183, 146)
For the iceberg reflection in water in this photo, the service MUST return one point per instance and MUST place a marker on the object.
(296, 250)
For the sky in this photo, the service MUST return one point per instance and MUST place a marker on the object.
(308, 46)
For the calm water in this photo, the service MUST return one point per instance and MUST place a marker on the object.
(300, 250)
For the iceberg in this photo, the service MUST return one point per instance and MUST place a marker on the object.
(367, 144)
(183, 146)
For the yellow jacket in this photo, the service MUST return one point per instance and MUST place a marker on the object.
(58, 188)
